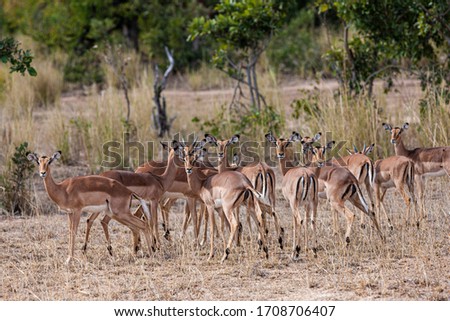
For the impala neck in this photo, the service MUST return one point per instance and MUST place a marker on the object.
(400, 149)
(170, 173)
(196, 180)
(283, 165)
(223, 164)
(54, 190)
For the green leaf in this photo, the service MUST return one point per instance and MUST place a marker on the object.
(32, 71)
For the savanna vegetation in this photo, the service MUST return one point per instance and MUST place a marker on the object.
(78, 75)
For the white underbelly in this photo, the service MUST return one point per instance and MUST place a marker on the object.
(95, 208)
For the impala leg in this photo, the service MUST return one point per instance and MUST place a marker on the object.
(313, 209)
(211, 231)
(239, 226)
(349, 216)
(256, 212)
(105, 222)
(278, 228)
(154, 219)
(204, 213)
(295, 249)
(223, 221)
(371, 214)
(407, 200)
(192, 208)
(165, 207)
(233, 228)
(383, 208)
(89, 223)
(136, 225)
(74, 220)
(186, 218)
(421, 195)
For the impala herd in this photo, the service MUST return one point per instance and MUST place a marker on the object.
(189, 175)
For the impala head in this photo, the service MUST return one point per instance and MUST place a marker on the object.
(221, 144)
(282, 143)
(190, 153)
(43, 161)
(307, 143)
(318, 153)
(396, 132)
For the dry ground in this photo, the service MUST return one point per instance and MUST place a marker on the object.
(412, 265)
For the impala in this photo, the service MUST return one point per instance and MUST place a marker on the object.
(360, 165)
(180, 190)
(227, 190)
(148, 186)
(434, 161)
(259, 173)
(339, 185)
(394, 171)
(299, 187)
(91, 194)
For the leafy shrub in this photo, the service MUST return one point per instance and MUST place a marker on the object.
(15, 183)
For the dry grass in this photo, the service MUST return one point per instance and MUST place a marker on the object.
(412, 265)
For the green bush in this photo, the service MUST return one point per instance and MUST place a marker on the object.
(15, 183)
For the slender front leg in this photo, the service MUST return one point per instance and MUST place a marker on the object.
(74, 220)
(211, 231)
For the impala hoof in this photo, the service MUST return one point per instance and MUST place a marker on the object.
(109, 248)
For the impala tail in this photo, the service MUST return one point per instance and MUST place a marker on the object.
(371, 172)
(144, 207)
(361, 197)
(409, 174)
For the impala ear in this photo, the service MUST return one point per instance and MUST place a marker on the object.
(270, 138)
(369, 149)
(234, 139)
(165, 146)
(387, 127)
(210, 139)
(175, 145)
(33, 157)
(200, 144)
(405, 126)
(56, 155)
(295, 137)
(330, 145)
(317, 137)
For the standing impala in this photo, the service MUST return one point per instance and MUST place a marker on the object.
(359, 164)
(148, 186)
(299, 187)
(394, 171)
(433, 161)
(259, 173)
(339, 185)
(227, 190)
(91, 194)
